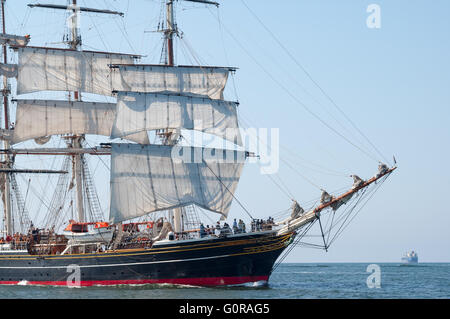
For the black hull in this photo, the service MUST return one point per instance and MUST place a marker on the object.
(209, 262)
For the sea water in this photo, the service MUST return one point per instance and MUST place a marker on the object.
(288, 281)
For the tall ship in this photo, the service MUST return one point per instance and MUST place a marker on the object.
(152, 232)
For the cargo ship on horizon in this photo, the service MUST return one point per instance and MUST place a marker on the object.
(410, 258)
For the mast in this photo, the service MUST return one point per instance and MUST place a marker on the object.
(171, 30)
(175, 214)
(76, 141)
(169, 136)
(6, 159)
(77, 172)
(75, 42)
(172, 27)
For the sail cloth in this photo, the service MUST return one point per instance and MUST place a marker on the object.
(8, 70)
(38, 118)
(148, 111)
(46, 69)
(13, 40)
(189, 80)
(150, 178)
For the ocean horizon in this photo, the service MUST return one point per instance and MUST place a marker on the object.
(322, 280)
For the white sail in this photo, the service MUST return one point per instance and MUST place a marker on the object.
(45, 69)
(13, 40)
(38, 118)
(8, 70)
(148, 111)
(146, 179)
(206, 81)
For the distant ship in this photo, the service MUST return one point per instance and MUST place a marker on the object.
(410, 258)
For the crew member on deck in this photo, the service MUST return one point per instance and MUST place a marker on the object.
(202, 231)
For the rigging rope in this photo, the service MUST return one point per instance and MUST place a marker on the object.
(369, 196)
(218, 178)
(292, 245)
(300, 102)
(345, 218)
(98, 32)
(289, 194)
(284, 191)
(284, 161)
(313, 81)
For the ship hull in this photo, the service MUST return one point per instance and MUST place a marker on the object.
(410, 260)
(209, 262)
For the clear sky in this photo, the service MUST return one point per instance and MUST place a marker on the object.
(393, 82)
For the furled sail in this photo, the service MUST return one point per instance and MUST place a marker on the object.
(46, 69)
(8, 70)
(189, 80)
(149, 111)
(150, 178)
(13, 40)
(38, 118)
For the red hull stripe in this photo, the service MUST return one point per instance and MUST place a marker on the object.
(207, 281)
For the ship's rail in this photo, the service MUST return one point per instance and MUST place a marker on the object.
(256, 225)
